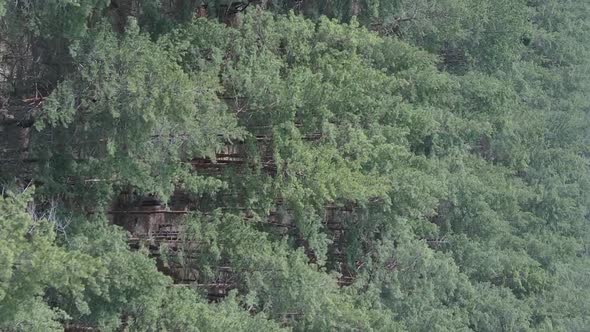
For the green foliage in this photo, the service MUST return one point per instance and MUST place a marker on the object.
(128, 119)
(279, 282)
(39, 17)
(185, 311)
(32, 262)
(324, 78)
(436, 151)
(92, 279)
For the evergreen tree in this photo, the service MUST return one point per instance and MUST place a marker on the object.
(355, 165)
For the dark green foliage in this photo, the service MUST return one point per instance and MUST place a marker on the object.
(133, 116)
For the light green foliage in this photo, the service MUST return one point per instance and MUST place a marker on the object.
(422, 288)
(324, 78)
(449, 139)
(31, 263)
(94, 280)
(480, 34)
(280, 282)
(184, 310)
(127, 284)
(497, 309)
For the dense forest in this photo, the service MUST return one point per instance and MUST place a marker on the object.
(295, 165)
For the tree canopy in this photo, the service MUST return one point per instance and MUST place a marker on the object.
(342, 165)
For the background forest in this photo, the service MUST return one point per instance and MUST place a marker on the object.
(401, 165)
